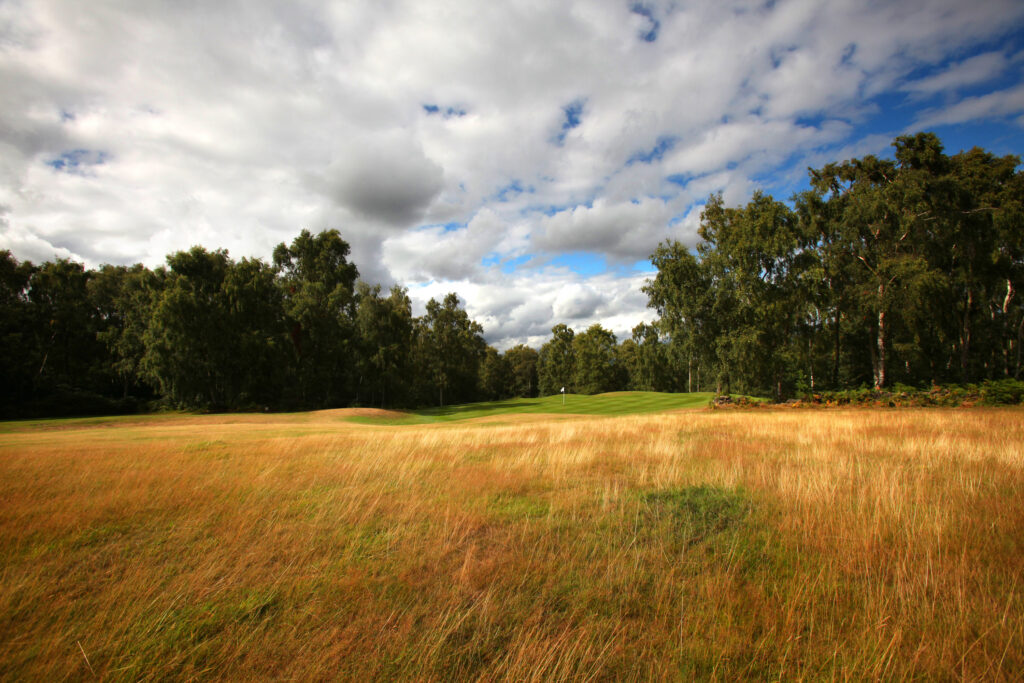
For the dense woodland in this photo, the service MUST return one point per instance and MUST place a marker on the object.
(903, 270)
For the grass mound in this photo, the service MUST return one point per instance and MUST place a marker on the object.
(611, 404)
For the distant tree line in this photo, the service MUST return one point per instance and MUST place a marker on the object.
(209, 332)
(885, 271)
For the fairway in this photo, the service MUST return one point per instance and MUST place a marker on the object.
(715, 545)
(610, 404)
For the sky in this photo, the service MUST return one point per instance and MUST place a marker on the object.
(528, 155)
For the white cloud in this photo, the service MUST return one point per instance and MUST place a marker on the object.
(624, 231)
(1003, 103)
(522, 308)
(437, 252)
(238, 124)
(977, 69)
(575, 301)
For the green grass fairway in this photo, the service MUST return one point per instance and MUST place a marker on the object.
(612, 404)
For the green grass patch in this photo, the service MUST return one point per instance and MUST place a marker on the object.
(611, 404)
(142, 419)
(511, 507)
(698, 512)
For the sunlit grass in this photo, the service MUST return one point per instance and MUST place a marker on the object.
(856, 545)
(610, 404)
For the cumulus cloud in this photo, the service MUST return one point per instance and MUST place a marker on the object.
(575, 301)
(451, 253)
(454, 145)
(624, 231)
(386, 178)
(523, 307)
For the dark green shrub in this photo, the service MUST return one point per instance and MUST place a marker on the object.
(1002, 392)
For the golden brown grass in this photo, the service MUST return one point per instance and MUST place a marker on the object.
(836, 545)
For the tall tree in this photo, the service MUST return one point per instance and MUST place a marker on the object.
(187, 341)
(257, 334)
(453, 348)
(69, 354)
(988, 260)
(522, 362)
(18, 362)
(495, 375)
(683, 292)
(648, 362)
(385, 330)
(123, 298)
(597, 369)
(317, 284)
(556, 364)
(216, 336)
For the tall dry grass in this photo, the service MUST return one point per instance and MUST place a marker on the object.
(843, 545)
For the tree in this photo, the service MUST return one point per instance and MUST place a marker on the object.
(452, 350)
(187, 341)
(988, 261)
(920, 240)
(597, 369)
(123, 298)
(522, 362)
(216, 335)
(317, 284)
(645, 358)
(556, 363)
(495, 376)
(257, 337)
(385, 331)
(18, 362)
(683, 293)
(69, 354)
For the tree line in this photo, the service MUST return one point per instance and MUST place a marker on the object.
(903, 270)
(209, 332)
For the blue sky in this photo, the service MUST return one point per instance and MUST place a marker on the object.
(528, 156)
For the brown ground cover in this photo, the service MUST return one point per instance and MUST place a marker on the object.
(840, 544)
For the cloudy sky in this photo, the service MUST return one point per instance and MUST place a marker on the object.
(526, 154)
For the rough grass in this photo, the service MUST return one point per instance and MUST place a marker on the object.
(850, 545)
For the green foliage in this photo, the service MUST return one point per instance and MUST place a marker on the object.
(888, 270)
(385, 332)
(989, 392)
(18, 361)
(556, 365)
(495, 375)
(451, 349)
(215, 337)
(318, 288)
(523, 362)
(597, 367)
(1002, 392)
